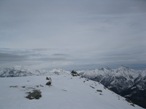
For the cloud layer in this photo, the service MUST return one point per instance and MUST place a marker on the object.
(78, 32)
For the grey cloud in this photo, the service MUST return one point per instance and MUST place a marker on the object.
(59, 54)
(11, 57)
(51, 59)
(74, 31)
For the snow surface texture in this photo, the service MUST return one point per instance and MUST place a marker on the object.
(66, 92)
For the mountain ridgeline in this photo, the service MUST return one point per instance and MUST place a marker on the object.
(124, 81)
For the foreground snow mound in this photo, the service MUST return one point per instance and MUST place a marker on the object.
(65, 92)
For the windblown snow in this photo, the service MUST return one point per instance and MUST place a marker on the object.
(66, 92)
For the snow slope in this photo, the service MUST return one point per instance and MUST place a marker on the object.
(127, 82)
(66, 92)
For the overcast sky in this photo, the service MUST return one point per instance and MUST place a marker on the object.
(73, 32)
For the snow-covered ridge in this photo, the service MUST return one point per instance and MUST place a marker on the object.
(20, 72)
(14, 72)
(127, 82)
(121, 71)
(65, 92)
(129, 74)
(123, 76)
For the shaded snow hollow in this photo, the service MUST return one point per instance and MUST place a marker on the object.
(66, 92)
